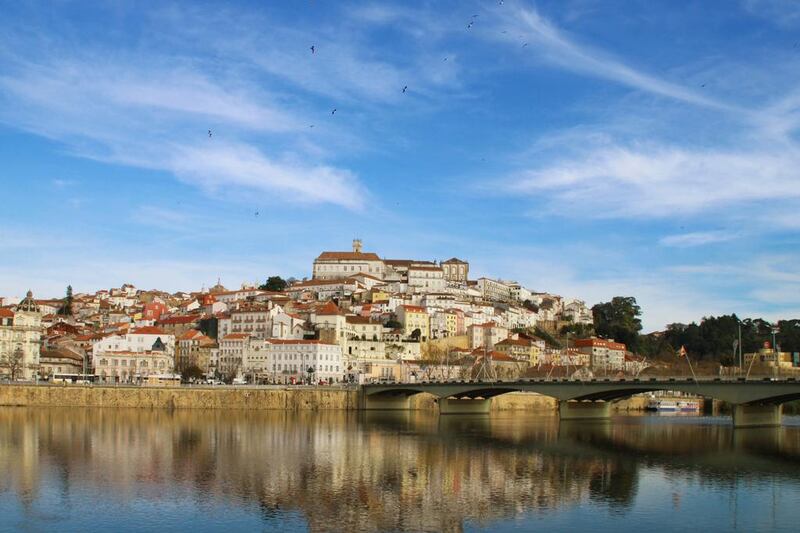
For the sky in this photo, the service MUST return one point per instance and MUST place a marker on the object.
(588, 148)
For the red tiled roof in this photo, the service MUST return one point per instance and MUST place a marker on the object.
(298, 341)
(348, 256)
(235, 336)
(413, 308)
(5, 312)
(329, 308)
(180, 319)
(148, 330)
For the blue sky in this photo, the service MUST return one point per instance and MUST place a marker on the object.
(589, 148)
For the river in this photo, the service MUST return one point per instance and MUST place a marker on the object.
(156, 470)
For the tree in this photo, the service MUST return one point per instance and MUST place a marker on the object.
(13, 363)
(530, 306)
(619, 320)
(393, 324)
(191, 372)
(66, 307)
(274, 283)
(416, 334)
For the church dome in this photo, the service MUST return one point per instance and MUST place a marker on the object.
(28, 305)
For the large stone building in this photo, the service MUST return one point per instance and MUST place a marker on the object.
(20, 334)
(455, 270)
(337, 265)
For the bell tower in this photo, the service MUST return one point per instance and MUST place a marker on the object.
(356, 246)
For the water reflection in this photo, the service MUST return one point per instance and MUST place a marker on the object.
(365, 471)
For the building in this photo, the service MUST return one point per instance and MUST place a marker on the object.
(338, 265)
(495, 290)
(20, 334)
(426, 278)
(234, 349)
(603, 354)
(193, 349)
(455, 270)
(486, 335)
(62, 360)
(123, 366)
(414, 318)
(252, 318)
(146, 339)
(299, 360)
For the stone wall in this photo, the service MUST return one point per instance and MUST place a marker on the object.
(177, 398)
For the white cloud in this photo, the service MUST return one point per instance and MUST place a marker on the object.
(660, 181)
(118, 113)
(698, 238)
(553, 45)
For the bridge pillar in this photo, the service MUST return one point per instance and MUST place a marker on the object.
(756, 415)
(453, 406)
(386, 402)
(573, 410)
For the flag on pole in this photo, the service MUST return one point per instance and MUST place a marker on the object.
(682, 352)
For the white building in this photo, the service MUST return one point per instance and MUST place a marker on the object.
(486, 335)
(337, 265)
(426, 278)
(495, 290)
(289, 359)
(20, 332)
(139, 340)
(125, 366)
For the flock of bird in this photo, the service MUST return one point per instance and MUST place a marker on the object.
(313, 49)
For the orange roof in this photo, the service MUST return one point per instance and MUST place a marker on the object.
(179, 319)
(148, 330)
(329, 308)
(413, 308)
(236, 336)
(495, 356)
(595, 342)
(5, 312)
(348, 256)
(360, 320)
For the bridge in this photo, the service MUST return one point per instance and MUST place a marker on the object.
(754, 403)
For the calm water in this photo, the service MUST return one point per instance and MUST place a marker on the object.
(119, 470)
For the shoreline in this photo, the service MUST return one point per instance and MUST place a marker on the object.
(244, 397)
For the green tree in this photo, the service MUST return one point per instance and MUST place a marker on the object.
(619, 320)
(66, 307)
(274, 283)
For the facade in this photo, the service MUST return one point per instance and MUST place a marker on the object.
(495, 290)
(338, 265)
(291, 360)
(426, 278)
(455, 270)
(120, 366)
(61, 360)
(20, 334)
(252, 319)
(413, 318)
(603, 354)
(144, 339)
(234, 349)
(194, 349)
(486, 335)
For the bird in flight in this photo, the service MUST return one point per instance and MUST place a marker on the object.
(469, 26)
(445, 59)
(334, 111)
(524, 45)
(256, 212)
(405, 88)
(703, 85)
(313, 49)
(310, 125)
(209, 133)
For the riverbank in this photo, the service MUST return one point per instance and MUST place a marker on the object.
(258, 398)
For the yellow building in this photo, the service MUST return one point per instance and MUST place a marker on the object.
(414, 318)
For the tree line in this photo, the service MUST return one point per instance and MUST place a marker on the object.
(711, 339)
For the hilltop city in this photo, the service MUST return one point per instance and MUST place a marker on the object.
(359, 318)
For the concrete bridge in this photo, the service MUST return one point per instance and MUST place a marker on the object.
(754, 402)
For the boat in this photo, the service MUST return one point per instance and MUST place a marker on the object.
(673, 406)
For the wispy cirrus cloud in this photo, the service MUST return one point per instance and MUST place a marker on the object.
(553, 45)
(697, 238)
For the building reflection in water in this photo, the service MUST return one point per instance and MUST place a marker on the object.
(369, 471)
